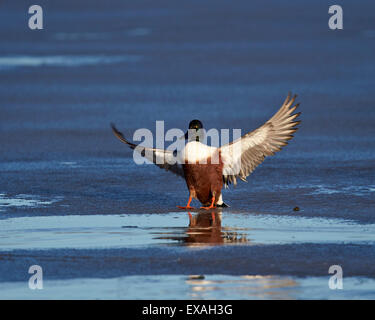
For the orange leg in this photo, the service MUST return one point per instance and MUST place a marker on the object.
(188, 204)
(213, 219)
(190, 219)
(211, 205)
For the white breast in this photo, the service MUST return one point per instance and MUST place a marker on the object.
(196, 151)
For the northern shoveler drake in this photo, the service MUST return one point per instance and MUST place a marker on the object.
(206, 180)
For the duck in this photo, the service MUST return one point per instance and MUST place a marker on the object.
(205, 178)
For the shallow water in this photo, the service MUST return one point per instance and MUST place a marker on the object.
(200, 229)
(73, 201)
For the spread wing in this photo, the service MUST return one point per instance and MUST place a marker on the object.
(162, 158)
(243, 155)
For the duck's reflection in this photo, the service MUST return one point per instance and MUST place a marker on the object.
(205, 228)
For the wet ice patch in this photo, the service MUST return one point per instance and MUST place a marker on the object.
(23, 200)
(139, 32)
(95, 36)
(359, 190)
(70, 164)
(350, 190)
(211, 287)
(63, 61)
(321, 189)
(77, 36)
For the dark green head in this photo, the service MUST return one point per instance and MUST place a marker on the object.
(195, 124)
(197, 134)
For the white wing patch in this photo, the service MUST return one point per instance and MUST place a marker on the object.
(196, 151)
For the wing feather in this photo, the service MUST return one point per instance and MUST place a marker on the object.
(243, 155)
(161, 158)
